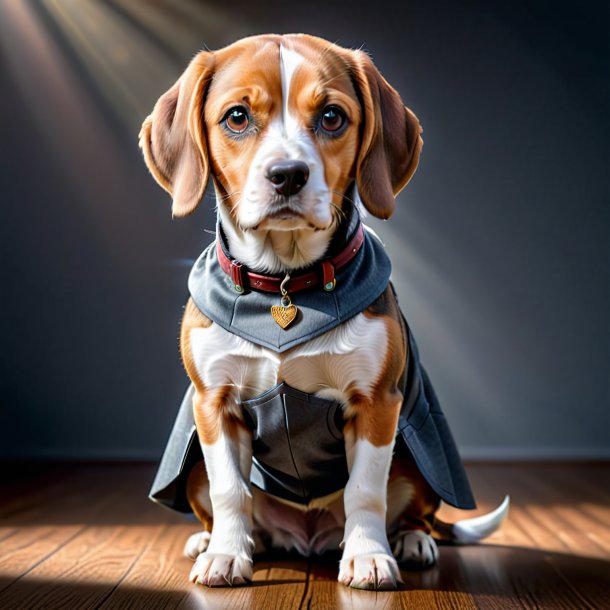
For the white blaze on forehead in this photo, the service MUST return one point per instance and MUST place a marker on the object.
(289, 62)
(287, 138)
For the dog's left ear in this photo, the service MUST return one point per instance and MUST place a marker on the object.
(172, 137)
(391, 139)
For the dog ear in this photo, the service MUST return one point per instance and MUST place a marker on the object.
(172, 137)
(391, 139)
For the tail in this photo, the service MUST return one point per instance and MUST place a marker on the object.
(472, 530)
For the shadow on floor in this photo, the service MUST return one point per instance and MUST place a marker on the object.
(489, 576)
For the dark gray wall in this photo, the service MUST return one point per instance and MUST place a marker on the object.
(500, 242)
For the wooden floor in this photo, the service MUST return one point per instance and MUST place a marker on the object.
(85, 536)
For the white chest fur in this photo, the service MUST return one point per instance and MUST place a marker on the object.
(350, 356)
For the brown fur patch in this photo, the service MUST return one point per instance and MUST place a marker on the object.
(248, 74)
(376, 415)
(192, 318)
(419, 513)
(197, 485)
(211, 406)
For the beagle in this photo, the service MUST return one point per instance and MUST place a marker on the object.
(310, 423)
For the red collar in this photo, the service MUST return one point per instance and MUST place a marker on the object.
(322, 273)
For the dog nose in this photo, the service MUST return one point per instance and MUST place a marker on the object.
(288, 177)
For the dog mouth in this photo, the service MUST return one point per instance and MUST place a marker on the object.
(284, 213)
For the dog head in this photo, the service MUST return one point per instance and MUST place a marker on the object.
(285, 125)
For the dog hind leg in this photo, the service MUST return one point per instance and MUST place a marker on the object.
(412, 505)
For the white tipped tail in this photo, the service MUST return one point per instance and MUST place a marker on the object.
(475, 529)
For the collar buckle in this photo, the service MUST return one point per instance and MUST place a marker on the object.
(237, 276)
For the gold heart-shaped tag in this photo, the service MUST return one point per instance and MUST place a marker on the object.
(284, 316)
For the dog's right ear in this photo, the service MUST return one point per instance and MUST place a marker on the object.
(172, 137)
(391, 139)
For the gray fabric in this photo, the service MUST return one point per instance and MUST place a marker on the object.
(181, 453)
(248, 315)
(298, 446)
(424, 430)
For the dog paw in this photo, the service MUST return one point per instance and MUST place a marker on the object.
(196, 544)
(416, 549)
(376, 571)
(216, 570)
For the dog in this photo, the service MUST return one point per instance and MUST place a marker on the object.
(310, 423)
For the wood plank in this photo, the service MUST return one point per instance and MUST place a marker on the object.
(588, 579)
(570, 525)
(555, 507)
(274, 586)
(590, 481)
(30, 546)
(90, 539)
(85, 569)
(541, 510)
(83, 572)
(433, 588)
(77, 495)
(440, 586)
(7, 532)
(18, 497)
(160, 569)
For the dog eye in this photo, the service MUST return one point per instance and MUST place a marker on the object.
(237, 119)
(332, 119)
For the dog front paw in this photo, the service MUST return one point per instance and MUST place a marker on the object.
(415, 549)
(196, 544)
(218, 570)
(375, 571)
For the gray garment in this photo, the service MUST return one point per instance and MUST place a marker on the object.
(298, 445)
(248, 315)
(298, 450)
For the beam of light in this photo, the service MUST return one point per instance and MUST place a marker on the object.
(100, 66)
(125, 65)
(461, 339)
(135, 50)
(188, 24)
(438, 311)
(67, 119)
(462, 332)
(91, 157)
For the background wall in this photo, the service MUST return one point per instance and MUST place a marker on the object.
(500, 243)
